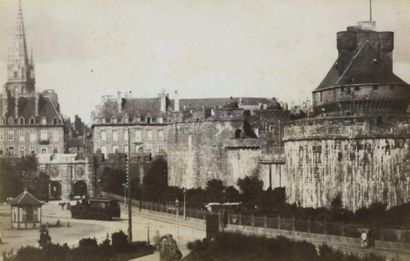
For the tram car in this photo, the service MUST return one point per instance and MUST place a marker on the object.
(96, 208)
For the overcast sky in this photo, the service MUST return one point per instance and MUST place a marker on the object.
(202, 48)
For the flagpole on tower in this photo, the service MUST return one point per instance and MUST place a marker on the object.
(371, 15)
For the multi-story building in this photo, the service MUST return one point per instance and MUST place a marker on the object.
(30, 122)
(202, 139)
(126, 124)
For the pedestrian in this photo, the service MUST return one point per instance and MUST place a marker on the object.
(168, 249)
(370, 238)
(364, 240)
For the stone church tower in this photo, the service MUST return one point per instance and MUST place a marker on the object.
(21, 79)
(30, 122)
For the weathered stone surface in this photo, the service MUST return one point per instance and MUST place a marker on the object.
(362, 159)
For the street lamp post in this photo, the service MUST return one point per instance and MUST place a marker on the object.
(177, 216)
(184, 190)
(125, 194)
(129, 187)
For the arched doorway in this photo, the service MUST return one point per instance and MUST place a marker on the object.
(80, 188)
(55, 190)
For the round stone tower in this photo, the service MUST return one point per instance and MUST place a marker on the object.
(361, 81)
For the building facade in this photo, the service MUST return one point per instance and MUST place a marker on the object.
(202, 139)
(30, 121)
(31, 124)
(70, 175)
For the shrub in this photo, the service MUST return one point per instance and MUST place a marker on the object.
(389, 235)
(352, 231)
(88, 242)
(405, 237)
(120, 241)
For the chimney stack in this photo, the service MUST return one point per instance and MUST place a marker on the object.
(16, 106)
(5, 101)
(119, 101)
(176, 101)
(36, 104)
(163, 101)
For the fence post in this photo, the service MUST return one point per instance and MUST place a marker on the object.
(324, 227)
(240, 219)
(293, 223)
(308, 225)
(252, 220)
(279, 225)
(265, 222)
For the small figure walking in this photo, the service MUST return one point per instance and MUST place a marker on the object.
(168, 249)
(370, 238)
(45, 238)
(364, 240)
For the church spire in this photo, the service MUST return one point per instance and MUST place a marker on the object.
(20, 68)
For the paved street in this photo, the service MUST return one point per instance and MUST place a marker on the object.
(143, 226)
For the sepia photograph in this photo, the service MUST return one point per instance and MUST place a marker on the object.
(205, 130)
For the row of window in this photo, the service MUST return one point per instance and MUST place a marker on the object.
(23, 150)
(31, 121)
(137, 135)
(124, 149)
(29, 135)
(148, 119)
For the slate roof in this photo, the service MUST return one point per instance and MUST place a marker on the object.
(26, 199)
(365, 67)
(151, 106)
(26, 108)
(221, 102)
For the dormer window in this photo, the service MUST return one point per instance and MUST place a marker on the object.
(102, 120)
(32, 121)
(55, 121)
(43, 121)
(22, 121)
(114, 120)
